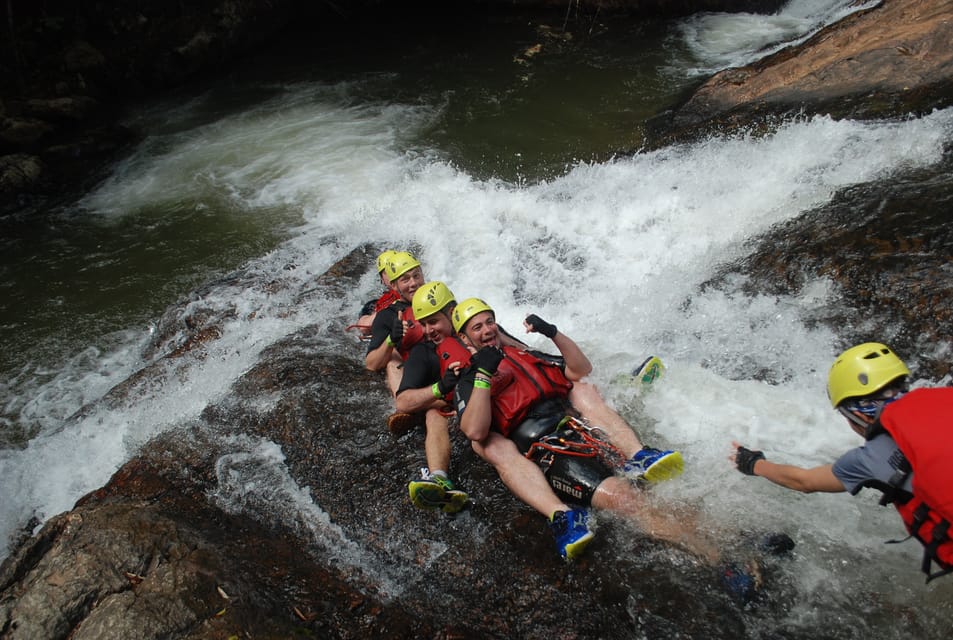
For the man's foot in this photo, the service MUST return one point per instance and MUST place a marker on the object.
(743, 582)
(571, 531)
(654, 465)
(436, 492)
(400, 423)
(649, 371)
(775, 544)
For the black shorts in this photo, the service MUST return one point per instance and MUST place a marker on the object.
(573, 478)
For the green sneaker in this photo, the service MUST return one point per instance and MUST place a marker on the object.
(436, 492)
(649, 371)
(642, 376)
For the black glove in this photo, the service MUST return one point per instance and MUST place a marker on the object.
(541, 326)
(745, 459)
(487, 359)
(396, 332)
(448, 382)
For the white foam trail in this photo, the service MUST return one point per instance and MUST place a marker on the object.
(254, 481)
(717, 41)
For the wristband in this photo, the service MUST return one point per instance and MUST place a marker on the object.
(481, 384)
(390, 343)
(435, 389)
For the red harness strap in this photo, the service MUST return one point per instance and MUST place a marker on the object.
(573, 437)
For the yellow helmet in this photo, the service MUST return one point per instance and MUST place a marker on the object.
(431, 298)
(400, 263)
(466, 310)
(863, 370)
(384, 258)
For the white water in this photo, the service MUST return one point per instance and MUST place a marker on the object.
(610, 252)
(722, 40)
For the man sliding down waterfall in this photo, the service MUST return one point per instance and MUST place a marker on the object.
(571, 468)
(908, 453)
(386, 299)
(424, 389)
(394, 332)
(513, 402)
(518, 406)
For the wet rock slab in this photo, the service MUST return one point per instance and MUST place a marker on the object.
(282, 511)
(888, 248)
(886, 61)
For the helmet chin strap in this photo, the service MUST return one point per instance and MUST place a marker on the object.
(857, 418)
(865, 421)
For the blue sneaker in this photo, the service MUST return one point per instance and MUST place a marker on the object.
(655, 465)
(742, 582)
(571, 532)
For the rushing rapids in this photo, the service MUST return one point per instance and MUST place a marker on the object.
(255, 488)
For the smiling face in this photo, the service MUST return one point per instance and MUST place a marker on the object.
(436, 327)
(409, 282)
(482, 330)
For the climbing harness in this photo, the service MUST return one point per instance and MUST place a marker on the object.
(576, 437)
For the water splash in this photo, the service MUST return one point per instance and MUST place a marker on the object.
(717, 41)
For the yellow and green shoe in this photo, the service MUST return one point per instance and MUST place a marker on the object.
(436, 492)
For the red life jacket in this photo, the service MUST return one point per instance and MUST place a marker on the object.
(387, 298)
(451, 349)
(921, 423)
(521, 381)
(413, 331)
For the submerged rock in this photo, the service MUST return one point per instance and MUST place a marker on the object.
(887, 246)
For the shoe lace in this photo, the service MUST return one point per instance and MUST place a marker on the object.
(559, 524)
(445, 483)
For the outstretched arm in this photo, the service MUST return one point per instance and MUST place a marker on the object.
(753, 463)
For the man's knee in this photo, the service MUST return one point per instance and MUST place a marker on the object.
(436, 420)
(494, 448)
(616, 493)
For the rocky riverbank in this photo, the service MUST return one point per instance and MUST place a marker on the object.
(889, 61)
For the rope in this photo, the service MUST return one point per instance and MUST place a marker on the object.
(592, 442)
(363, 328)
